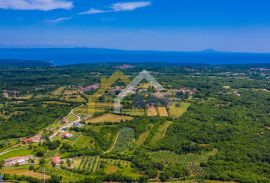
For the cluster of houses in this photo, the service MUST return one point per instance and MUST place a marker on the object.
(10, 93)
(34, 139)
(19, 160)
(124, 67)
(185, 90)
(260, 69)
(89, 87)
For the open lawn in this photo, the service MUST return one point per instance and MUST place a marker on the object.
(109, 118)
(14, 153)
(177, 111)
(152, 111)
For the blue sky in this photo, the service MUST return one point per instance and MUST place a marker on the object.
(229, 25)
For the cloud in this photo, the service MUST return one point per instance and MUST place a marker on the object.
(58, 20)
(118, 7)
(130, 6)
(42, 5)
(93, 11)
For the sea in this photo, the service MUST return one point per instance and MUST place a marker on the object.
(68, 56)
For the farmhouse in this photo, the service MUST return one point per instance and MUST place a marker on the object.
(34, 139)
(19, 160)
(66, 135)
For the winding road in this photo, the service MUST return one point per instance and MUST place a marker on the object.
(67, 125)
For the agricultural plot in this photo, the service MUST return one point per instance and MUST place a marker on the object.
(178, 109)
(124, 140)
(74, 98)
(117, 162)
(22, 170)
(59, 91)
(142, 138)
(168, 157)
(162, 111)
(83, 142)
(152, 111)
(161, 132)
(67, 176)
(88, 164)
(134, 112)
(109, 118)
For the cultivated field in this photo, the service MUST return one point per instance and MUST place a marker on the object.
(177, 111)
(109, 118)
(161, 132)
(87, 164)
(162, 111)
(152, 111)
(124, 140)
(142, 138)
(22, 170)
(168, 157)
(134, 112)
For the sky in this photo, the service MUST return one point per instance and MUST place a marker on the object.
(184, 25)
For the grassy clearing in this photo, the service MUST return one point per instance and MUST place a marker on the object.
(142, 138)
(162, 111)
(71, 117)
(84, 142)
(109, 118)
(22, 170)
(152, 111)
(161, 132)
(168, 157)
(177, 111)
(14, 153)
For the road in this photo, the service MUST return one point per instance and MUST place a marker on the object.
(67, 125)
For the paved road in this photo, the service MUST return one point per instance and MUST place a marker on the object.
(67, 125)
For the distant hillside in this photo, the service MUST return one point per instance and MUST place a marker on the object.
(22, 63)
(65, 56)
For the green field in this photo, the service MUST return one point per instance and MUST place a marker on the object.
(19, 152)
(88, 164)
(168, 157)
(124, 140)
(177, 111)
(71, 117)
